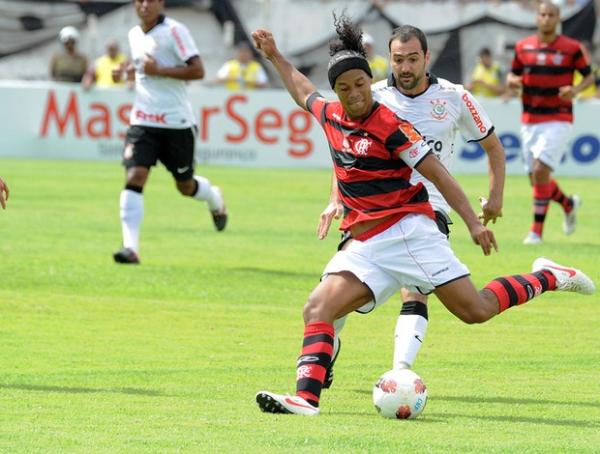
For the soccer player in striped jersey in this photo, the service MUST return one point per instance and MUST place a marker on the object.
(396, 240)
(543, 67)
(438, 109)
(162, 123)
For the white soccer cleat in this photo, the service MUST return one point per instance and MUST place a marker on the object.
(532, 238)
(567, 279)
(280, 403)
(570, 219)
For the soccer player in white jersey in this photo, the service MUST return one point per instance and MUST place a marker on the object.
(438, 109)
(162, 124)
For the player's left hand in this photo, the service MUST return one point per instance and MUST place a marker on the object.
(150, 66)
(491, 210)
(566, 93)
(484, 237)
(332, 211)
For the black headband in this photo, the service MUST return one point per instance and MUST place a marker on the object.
(346, 60)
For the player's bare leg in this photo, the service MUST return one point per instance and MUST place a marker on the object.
(337, 295)
(200, 188)
(132, 213)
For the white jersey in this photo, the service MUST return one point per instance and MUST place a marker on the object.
(161, 102)
(437, 113)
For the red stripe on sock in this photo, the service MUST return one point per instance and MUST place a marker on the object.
(308, 396)
(319, 328)
(501, 295)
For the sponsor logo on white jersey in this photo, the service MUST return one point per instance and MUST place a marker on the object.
(474, 113)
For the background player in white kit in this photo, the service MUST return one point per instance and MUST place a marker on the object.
(438, 109)
(161, 128)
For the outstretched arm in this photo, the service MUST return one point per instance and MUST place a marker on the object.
(432, 169)
(297, 84)
(492, 209)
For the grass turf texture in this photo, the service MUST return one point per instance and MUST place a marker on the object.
(167, 356)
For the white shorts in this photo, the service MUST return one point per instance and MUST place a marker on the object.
(546, 142)
(412, 253)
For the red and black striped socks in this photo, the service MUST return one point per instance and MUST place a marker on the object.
(520, 288)
(541, 203)
(314, 360)
(558, 196)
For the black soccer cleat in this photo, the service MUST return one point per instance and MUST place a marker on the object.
(329, 374)
(126, 256)
(219, 219)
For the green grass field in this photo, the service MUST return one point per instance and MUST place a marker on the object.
(167, 356)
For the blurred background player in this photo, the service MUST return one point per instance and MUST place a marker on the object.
(103, 71)
(593, 90)
(543, 67)
(379, 65)
(242, 72)
(486, 78)
(68, 64)
(162, 122)
(4, 193)
(438, 109)
(397, 241)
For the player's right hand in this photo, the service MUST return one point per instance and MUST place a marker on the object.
(264, 42)
(513, 81)
(333, 211)
(4, 193)
(484, 237)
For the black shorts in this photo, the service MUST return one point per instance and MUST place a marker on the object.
(441, 220)
(145, 145)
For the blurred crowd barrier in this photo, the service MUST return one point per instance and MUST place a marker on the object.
(253, 129)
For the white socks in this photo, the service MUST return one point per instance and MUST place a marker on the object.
(210, 193)
(408, 338)
(132, 212)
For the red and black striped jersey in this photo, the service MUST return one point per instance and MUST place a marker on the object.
(373, 161)
(545, 67)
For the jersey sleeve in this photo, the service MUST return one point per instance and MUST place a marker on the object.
(407, 144)
(516, 66)
(316, 104)
(185, 47)
(581, 62)
(473, 122)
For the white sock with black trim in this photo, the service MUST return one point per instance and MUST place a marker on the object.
(208, 192)
(132, 212)
(409, 333)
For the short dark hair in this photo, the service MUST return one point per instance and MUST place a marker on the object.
(485, 51)
(405, 32)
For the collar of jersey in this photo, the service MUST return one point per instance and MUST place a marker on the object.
(391, 82)
(160, 20)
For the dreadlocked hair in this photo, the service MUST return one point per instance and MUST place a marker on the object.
(349, 36)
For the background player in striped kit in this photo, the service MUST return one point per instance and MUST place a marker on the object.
(162, 122)
(397, 243)
(438, 109)
(543, 67)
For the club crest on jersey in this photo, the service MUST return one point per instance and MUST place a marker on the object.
(557, 58)
(541, 59)
(438, 111)
(362, 146)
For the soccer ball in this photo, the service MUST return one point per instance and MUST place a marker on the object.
(400, 394)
